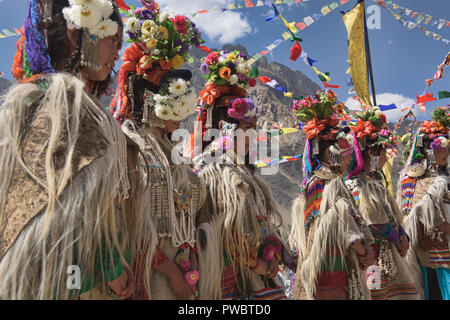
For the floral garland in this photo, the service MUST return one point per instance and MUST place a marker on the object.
(91, 15)
(228, 68)
(175, 100)
(318, 112)
(163, 39)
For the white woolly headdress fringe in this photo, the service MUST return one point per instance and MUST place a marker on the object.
(236, 209)
(376, 203)
(335, 227)
(73, 226)
(210, 263)
(430, 211)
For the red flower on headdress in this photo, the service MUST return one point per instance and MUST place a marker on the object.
(252, 82)
(212, 58)
(238, 109)
(180, 24)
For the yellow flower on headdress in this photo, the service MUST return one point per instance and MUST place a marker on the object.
(177, 62)
(150, 44)
(232, 58)
(148, 27)
(163, 32)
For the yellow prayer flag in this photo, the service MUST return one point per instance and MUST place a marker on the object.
(286, 35)
(354, 22)
(348, 70)
(231, 6)
(288, 94)
(325, 10)
(289, 130)
(251, 61)
(2, 36)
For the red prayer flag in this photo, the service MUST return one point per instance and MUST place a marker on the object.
(336, 86)
(301, 25)
(203, 11)
(264, 52)
(296, 51)
(249, 4)
(122, 5)
(264, 79)
(205, 49)
(425, 98)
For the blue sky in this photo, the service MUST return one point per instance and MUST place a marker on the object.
(401, 59)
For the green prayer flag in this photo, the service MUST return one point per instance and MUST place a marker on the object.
(444, 94)
(254, 73)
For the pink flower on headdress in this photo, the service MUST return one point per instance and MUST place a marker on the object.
(192, 277)
(269, 252)
(239, 109)
(384, 133)
(225, 143)
(344, 144)
(212, 58)
(184, 265)
(148, 4)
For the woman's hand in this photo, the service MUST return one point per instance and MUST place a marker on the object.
(403, 246)
(272, 269)
(123, 286)
(180, 287)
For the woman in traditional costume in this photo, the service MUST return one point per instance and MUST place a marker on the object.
(152, 98)
(245, 215)
(69, 200)
(424, 198)
(326, 227)
(379, 210)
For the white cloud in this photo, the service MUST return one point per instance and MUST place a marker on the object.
(223, 27)
(386, 99)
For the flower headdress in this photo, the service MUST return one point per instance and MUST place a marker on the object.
(369, 123)
(228, 73)
(92, 16)
(159, 45)
(319, 116)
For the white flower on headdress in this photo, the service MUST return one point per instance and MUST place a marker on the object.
(83, 17)
(178, 87)
(106, 8)
(149, 28)
(378, 112)
(105, 28)
(163, 16)
(222, 60)
(163, 113)
(444, 142)
(132, 25)
(240, 68)
(233, 79)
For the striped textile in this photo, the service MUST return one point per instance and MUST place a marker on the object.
(313, 200)
(228, 283)
(408, 186)
(388, 290)
(331, 285)
(439, 256)
(276, 293)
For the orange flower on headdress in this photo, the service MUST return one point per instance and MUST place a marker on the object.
(131, 56)
(363, 128)
(314, 127)
(213, 92)
(433, 128)
(225, 73)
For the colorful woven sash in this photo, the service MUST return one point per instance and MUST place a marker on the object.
(313, 200)
(408, 186)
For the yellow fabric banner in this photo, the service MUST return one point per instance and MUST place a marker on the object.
(354, 22)
(387, 170)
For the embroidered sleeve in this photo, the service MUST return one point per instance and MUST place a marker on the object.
(159, 257)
